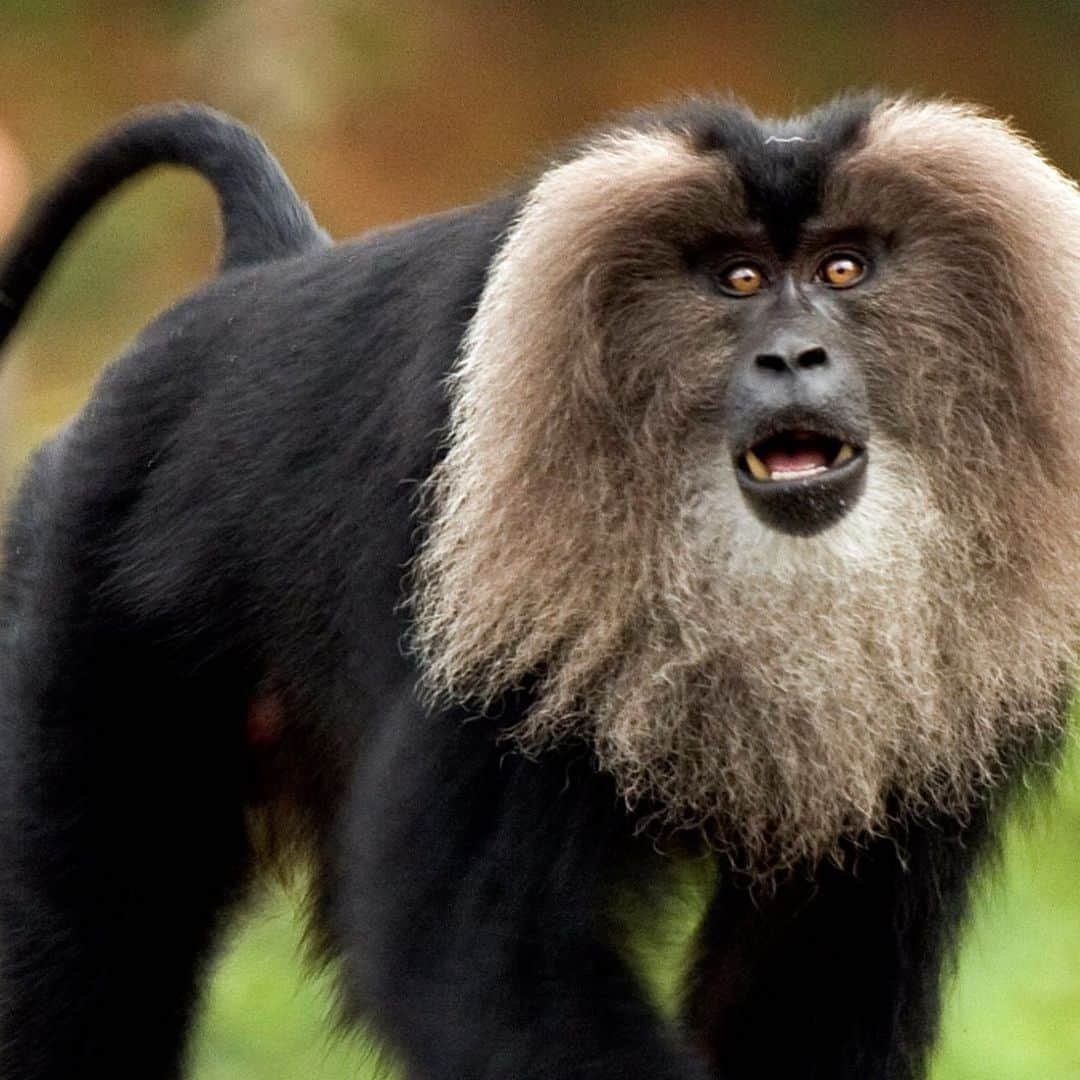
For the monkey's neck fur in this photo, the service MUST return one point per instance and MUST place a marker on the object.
(783, 695)
(779, 694)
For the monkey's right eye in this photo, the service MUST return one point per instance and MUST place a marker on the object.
(742, 279)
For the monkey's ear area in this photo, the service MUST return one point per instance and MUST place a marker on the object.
(609, 200)
(927, 167)
(620, 208)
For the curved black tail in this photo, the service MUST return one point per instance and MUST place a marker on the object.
(262, 216)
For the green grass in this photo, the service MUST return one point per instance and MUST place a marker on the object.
(1013, 1010)
(266, 1016)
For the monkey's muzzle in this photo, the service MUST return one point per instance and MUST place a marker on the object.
(800, 480)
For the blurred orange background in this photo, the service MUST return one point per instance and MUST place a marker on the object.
(382, 110)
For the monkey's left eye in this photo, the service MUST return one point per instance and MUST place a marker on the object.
(742, 279)
(843, 270)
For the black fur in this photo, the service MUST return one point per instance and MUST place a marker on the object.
(227, 523)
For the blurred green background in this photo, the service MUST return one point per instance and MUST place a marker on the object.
(385, 110)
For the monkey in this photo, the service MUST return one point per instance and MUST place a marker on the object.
(708, 498)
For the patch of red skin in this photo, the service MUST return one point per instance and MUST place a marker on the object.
(265, 719)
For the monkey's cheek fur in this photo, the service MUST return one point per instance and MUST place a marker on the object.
(806, 505)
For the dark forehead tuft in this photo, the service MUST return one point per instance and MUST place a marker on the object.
(782, 163)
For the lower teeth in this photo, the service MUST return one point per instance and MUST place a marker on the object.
(798, 474)
(760, 471)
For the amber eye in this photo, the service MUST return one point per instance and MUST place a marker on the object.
(742, 279)
(842, 271)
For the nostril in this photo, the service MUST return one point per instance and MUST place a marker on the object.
(770, 362)
(809, 358)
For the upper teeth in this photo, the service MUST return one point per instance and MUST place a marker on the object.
(847, 452)
(757, 467)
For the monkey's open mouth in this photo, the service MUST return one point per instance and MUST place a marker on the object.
(796, 455)
(801, 481)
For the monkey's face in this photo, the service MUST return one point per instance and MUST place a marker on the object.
(855, 292)
(763, 451)
(795, 409)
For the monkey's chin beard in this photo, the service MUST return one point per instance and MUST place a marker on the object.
(783, 695)
(779, 695)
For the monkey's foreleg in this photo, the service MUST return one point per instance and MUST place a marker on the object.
(474, 887)
(835, 978)
(121, 832)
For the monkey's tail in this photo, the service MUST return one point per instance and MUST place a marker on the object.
(262, 216)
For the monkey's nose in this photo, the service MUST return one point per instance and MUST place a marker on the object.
(790, 369)
(789, 362)
(794, 358)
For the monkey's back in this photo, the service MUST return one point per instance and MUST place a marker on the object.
(251, 461)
